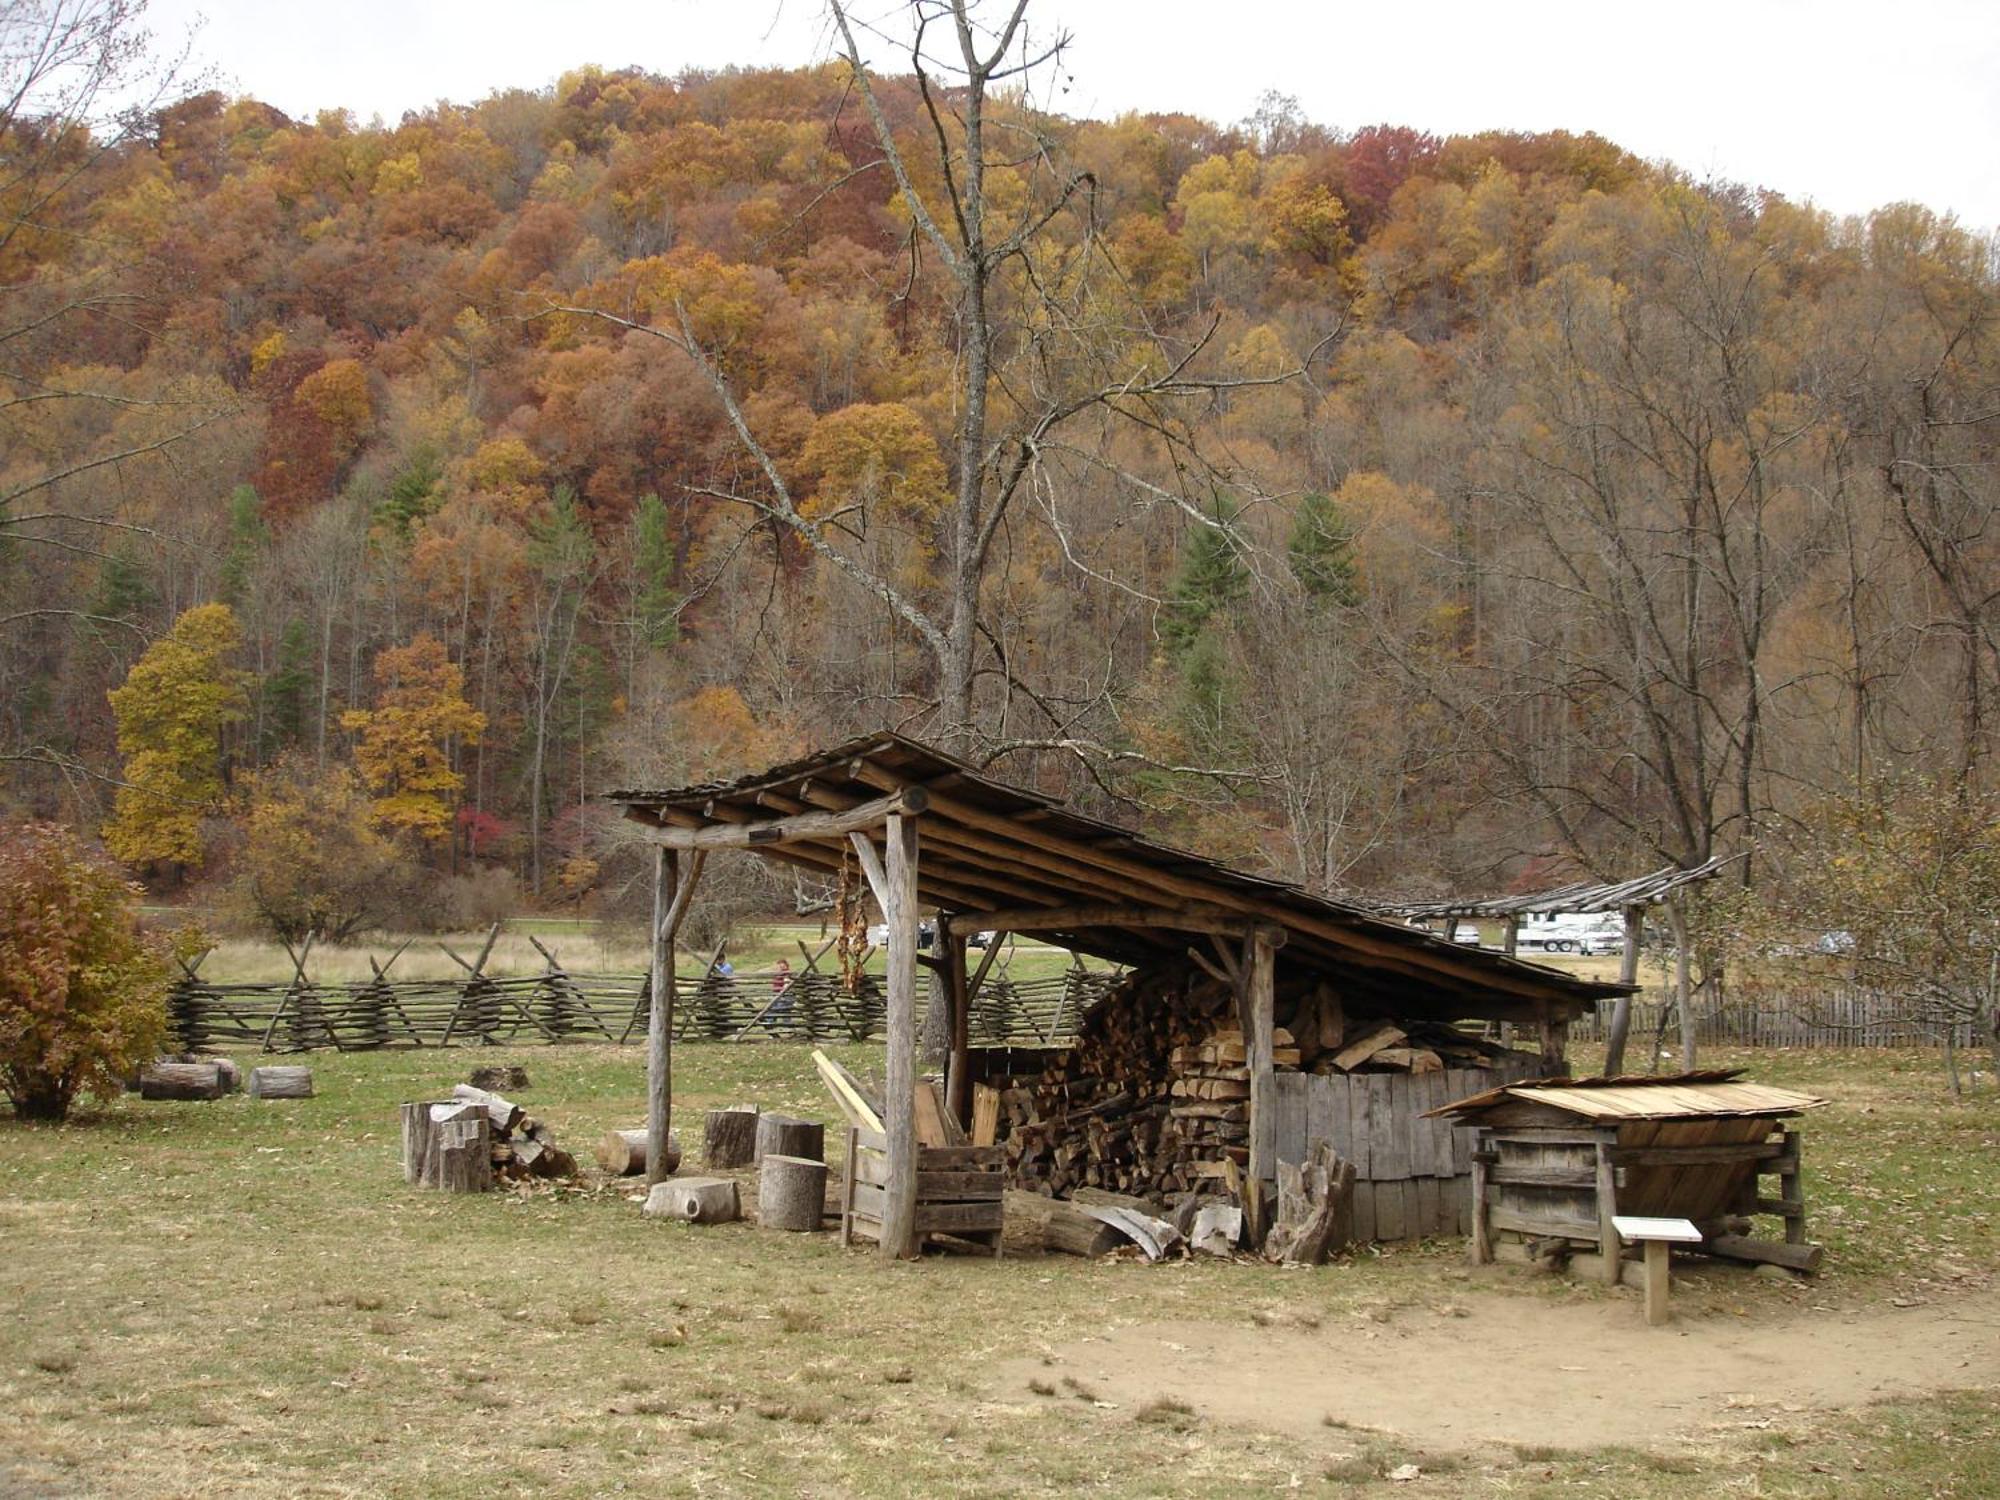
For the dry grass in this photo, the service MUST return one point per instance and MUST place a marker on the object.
(241, 1298)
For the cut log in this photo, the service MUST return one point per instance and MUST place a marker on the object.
(791, 1192)
(1060, 1226)
(698, 1200)
(729, 1137)
(504, 1113)
(1742, 1247)
(784, 1135)
(512, 1076)
(622, 1153)
(170, 1080)
(232, 1076)
(1315, 1208)
(281, 1083)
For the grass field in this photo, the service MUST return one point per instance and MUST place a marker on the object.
(243, 1298)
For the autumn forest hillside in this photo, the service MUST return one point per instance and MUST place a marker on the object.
(1392, 512)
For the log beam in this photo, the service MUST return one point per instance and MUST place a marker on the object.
(1210, 919)
(671, 894)
(812, 825)
(899, 890)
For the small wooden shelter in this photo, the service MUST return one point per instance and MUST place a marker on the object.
(929, 830)
(1555, 1160)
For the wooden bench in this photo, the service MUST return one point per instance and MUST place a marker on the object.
(960, 1190)
(1659, 1236)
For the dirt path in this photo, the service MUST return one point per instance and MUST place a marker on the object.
(1497, 1369)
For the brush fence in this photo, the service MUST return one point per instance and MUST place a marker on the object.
(1412, 1177)
(605, 1008)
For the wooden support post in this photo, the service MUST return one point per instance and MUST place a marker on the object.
(1260, 984)
(1659, 1260)
(1554, 1037)
(671, 891)
(1511, 941)
(1482, 1232)
(659, 1019)
(1683, 996)
(1608, 1239)
(1791, 1190)
(958, 990)
(1621, 1009)
(899, 890)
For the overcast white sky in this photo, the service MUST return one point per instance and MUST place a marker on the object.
(1849, 105)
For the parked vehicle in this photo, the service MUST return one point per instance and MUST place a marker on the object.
(1572, 932)
(878, 936)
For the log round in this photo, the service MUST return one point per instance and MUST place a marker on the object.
(622, 1153)
(783, 1135)
(169, 1080)
(729, 1137)
(448, 1146)
(791, 1192)
(698, 1200)
(231, 1075)
(281, 1083)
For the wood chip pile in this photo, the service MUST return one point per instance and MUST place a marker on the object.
(1154, 1097)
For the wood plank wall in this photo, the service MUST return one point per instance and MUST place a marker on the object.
(1413, 1177)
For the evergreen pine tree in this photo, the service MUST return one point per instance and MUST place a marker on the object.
(1210, 578)
(653, 600)
(1321, 551)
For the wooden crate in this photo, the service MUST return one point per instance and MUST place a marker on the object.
(960, 1190)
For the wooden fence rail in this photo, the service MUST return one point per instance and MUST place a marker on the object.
(1837, 1018)
(558, 1006)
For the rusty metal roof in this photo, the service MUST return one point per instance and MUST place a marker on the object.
(1718, 1093)
(988, 846)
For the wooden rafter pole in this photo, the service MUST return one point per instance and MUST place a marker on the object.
(1065, 918)
(670, 901)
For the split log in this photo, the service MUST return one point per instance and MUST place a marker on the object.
(461, 1157)
(281, 1083)
(1364, 1047)
(791, 1192)
(511, 1076)
(1154, 1236)
(1218, 1227)
(170, 1080)
(504, 1113)
(729, 1137)
(622, 1153)
(783, 1135)
(698, 1200)
(1315, 1208)
(1061, 1226)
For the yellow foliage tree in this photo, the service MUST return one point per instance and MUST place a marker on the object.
(337, 393)
(867, 455)
(171, 710)
(401, 747)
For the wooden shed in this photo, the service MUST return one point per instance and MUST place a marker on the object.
(1554, 1160)
(931, 831)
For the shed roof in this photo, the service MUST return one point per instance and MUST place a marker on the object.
(1584, 896)
(1000, 854)
(1713, 1094)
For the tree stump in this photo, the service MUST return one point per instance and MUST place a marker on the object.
(171, 1080)
(698, 1200)
(729, 1137)
(511, 1076)
(1315, 1208)
(448, 1146)
(783, 1135)
(791, 1192)
(622, 1153)
(281, 1083)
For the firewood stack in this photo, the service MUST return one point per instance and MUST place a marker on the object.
(523, 1147)
(1154, 1097)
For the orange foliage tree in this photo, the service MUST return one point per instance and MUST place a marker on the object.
(403, 745)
